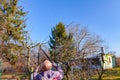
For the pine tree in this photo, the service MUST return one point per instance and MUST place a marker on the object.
(61, 43)
(61, 47)
(12, 26)
(13, 20)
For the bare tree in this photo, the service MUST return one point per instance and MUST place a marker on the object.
(86, 45)
(28, 46)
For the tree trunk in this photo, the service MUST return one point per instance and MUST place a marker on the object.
(28, 58)
(66, 70)
(68, 77)
(100, 77)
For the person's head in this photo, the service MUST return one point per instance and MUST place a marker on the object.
(47, 65)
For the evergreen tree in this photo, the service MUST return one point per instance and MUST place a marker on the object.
(12, 27)
(57, 37)
(56, 40)
(61, 47)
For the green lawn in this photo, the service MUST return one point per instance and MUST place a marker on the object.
(110, 74)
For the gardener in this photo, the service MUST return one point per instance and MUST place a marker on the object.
(47, 73)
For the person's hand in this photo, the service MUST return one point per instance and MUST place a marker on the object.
(54, 64)
(37, 68)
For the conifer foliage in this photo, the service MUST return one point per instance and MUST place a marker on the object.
(61, 44)
(12, 28)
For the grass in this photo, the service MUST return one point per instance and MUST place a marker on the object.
(18, 76)
(109, 74)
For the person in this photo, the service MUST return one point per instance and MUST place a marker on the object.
(46, 72)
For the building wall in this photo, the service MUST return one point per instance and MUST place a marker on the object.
(109, 61)
(113, 61)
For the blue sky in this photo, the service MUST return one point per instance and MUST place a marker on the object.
(101, 17)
